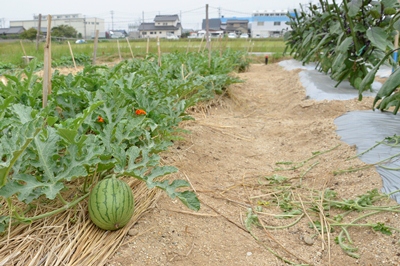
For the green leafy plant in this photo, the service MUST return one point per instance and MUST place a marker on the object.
(98, 123)
(346, 40)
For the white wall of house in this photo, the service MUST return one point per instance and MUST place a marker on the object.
(269, 23)
(160, 33)
(85, 26)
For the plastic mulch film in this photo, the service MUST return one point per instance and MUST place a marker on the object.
(367, 129)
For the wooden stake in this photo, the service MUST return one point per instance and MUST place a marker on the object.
(47, 64)
(26, 59)
(159, 51)
(187, 49)
(38, 32)
(96, 40)
(119, 51)
(72, 55)
(201, 43)
(130, 48)
(147, 46)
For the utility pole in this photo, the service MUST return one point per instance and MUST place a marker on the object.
(112, 20)
(142, 16)
(219, 12)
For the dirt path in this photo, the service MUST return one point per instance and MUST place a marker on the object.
(231, 152)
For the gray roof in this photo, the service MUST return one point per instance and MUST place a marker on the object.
(12, 30)
(160, 18)
(213, 24)
(152, 26)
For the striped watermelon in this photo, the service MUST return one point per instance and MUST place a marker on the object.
(111, 204)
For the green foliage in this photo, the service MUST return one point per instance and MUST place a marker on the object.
(64, 31)
(345, 40)
(29, 34)
(101, 122)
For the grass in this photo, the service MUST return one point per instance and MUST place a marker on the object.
(13, 52)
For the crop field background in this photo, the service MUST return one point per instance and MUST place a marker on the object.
(11, 53)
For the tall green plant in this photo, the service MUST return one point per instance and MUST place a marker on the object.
(346, 40)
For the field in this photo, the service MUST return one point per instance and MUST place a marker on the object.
(230, 161)
(109, 50)
(231, 158)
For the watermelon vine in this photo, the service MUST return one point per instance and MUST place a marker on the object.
(100, 122)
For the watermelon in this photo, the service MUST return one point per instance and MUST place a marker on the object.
(111, 204)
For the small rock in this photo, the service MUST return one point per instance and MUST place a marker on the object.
(249, 253)
(308, 240)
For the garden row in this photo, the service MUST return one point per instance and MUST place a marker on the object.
(99, 123)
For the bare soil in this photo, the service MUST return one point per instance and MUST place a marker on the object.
(233, 146)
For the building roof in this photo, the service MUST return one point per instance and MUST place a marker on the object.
(213, 24)
(161, 18)
(152, 26)
(12, 30)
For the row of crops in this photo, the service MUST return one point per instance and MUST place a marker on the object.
(99, 123)
(349, 41)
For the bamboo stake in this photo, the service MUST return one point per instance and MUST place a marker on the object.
(47, 64)
(72, 54)
(38, 32)
(148, 45)
(119, 51)
(159, 51)
(201, 43)
(26, 59)
(187, 48)
(130, 48)
(96, 40)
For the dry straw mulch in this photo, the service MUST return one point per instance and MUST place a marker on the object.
(69, 238)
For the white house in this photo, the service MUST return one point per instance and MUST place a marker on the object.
(162, 27)
(83, 25)
(269, 23)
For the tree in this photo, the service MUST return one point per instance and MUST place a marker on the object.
(64, 31)
(29, 34)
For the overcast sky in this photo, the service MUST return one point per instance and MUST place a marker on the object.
(122, 12)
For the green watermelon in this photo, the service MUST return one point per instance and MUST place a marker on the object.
(111, 204)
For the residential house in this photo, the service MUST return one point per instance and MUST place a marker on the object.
(214, 24)
(86, 27)
(12, 31)
(237, 26)
(162, 27)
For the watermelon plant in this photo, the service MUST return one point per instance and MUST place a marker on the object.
(99, 123)
(346, 40)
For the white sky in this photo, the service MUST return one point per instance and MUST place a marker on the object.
(125, 12)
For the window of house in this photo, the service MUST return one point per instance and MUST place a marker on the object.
(151, 32)
(144, 33)
(165, 24)
(277, 23)
(260, 23)
(160, 32)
